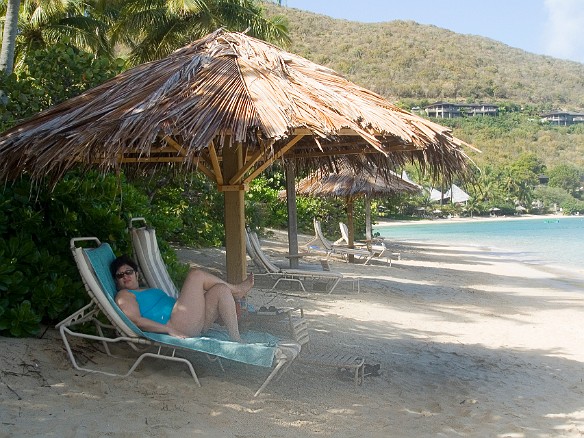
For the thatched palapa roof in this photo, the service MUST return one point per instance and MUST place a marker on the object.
(347, 184)
(227, 89)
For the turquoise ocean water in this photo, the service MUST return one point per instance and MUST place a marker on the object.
(556, 241)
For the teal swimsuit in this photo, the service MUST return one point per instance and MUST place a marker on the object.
(154, 304)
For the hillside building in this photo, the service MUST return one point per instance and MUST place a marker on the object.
(447, 110)
(562, 118)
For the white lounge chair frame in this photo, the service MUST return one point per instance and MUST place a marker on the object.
(147, 255)
(320, 243)
(262, 262)
(126, 332)
(377, 246)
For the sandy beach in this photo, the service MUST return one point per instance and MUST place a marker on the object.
(468, 344)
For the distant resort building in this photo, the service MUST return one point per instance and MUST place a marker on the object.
(454, 195)
(446, 110)
(563, 118)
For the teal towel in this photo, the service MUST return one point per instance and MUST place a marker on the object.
(258, 349)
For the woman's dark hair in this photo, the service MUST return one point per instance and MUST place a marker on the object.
(121, 261)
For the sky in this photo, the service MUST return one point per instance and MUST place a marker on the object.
(543, 27)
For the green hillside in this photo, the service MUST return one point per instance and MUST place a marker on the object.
(414, 65)
(404, 59)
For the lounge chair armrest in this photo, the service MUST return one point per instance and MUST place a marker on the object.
(74, 240)
(136, 219)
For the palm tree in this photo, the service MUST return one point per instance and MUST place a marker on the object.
(9, 36)
(473, 206)
(42, 23)
(152, 29)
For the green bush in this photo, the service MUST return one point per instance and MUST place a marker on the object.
(263, 205)
(185, 209)
(39, 282)
(50, 76)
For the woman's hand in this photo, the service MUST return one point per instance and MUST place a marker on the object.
(174, 332)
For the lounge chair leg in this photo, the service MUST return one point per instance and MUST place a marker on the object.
(269, 379)
(173, 358)
(334, 285)
(216, 359)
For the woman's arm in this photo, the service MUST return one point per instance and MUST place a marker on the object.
(129, 305)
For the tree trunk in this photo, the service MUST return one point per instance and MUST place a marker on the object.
(9, 36)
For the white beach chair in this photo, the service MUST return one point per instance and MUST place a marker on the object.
(260, 349)
(377, 246)
(320, 243)
(265, 265)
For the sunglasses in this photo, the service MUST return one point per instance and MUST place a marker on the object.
(120, 275)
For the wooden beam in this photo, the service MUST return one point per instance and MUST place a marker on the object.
(232, 187)
(368, 229)
(215, 163)
(207, 172)
(175, 145)
(247, 165)
(276, 156)
(235, 259)
(292, 214)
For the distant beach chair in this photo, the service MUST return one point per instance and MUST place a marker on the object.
(266, 267)
(377, 246)
(319, 243)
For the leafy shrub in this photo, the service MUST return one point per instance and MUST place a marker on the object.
(39, 282)
(263, 205)
(51, 76)
(185, 209)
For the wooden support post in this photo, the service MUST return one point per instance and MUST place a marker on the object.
(235, 260)
(292, 214)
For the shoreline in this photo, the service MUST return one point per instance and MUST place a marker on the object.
(569, 274)
(382, 222)
(533, 252)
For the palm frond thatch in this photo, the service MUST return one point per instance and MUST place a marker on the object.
(222, 90)
(346, 184)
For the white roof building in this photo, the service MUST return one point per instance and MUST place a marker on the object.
(457, 194)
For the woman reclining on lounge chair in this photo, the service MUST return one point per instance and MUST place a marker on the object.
(204, 298)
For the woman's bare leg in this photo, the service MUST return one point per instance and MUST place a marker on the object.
(188, 314)
(220, 303)
(192, 314)
(240, 290)
(209, 280)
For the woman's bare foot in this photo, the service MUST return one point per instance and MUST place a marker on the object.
(241, 290)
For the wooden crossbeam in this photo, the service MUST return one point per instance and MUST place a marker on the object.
(175, 145)
(206, 171)
(249, 163)
(215, 163)
(270, 160)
